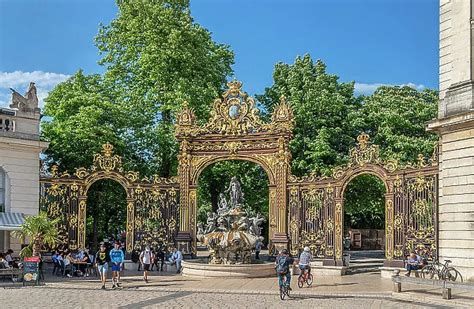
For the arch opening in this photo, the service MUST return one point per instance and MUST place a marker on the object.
(106, 213)
(364, 216)
(214, 180)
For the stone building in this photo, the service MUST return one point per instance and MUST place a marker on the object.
(455, 126)
(20, 147)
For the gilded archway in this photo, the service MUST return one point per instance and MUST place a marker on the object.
(234, 132)
(151, 202)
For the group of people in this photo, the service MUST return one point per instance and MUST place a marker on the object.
(7, 260)
(115, 258)
(284, 261)
(72, 262)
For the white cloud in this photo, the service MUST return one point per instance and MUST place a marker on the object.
(367, 89)
(19, 80)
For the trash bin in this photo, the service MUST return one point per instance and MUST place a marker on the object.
(345, 259)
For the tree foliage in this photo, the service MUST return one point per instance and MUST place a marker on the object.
(40, 230)
(156, 57)
(395, 118)
(364, 203)
(321, 106)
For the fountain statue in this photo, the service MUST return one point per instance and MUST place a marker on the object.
(230, 234)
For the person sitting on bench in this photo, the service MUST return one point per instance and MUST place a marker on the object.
(414, 262)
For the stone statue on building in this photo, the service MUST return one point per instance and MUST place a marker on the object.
(29, 102)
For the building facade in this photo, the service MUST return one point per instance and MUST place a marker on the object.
(455, 126)
(20, 147)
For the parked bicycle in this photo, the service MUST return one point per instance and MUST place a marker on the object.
(440, 271)
(305, 277)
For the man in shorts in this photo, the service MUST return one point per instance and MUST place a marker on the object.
(146, 259)
(102, 260)
(117, 258)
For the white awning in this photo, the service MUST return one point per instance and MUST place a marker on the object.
(11, 221)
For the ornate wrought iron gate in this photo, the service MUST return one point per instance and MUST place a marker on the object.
(305, 211)
(316, 206)
(152, 203)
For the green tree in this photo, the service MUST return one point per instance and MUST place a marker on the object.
(82, 116)
(364, 203)
(321, 106)
(395, 118)
(40, 230)
(155, 57)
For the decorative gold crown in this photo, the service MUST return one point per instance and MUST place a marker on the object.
(363, 138)
(234, 85)
(107, 148)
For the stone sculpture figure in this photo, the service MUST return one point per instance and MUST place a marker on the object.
(222, 205)
(211, 222)
(230, 234)
(236, 195)
(256, 221)
(27, 102)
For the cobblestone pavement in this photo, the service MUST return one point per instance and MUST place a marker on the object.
(54, 297)
(168, 290)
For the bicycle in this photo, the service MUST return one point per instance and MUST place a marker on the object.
(439, 271)
(305, 277)
(284, 289)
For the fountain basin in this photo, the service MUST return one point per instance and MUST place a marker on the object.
(197, 268)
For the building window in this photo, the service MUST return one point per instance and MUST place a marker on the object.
(2, 190)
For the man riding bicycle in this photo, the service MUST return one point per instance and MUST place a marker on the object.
(283, 262)
(305, 260)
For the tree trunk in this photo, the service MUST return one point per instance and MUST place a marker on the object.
(37, 245)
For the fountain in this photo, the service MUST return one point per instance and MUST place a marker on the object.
(230, 235)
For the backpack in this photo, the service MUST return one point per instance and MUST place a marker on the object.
(282, 265)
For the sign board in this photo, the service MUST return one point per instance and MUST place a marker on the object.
(31, 270)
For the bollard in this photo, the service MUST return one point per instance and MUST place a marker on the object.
(397, 285)
(446, 293)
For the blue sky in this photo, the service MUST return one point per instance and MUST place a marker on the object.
(372, 42)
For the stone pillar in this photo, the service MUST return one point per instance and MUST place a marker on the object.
(455, 126)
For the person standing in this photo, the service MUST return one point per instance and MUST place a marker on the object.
(116, 258)
(176, 258)
(258, 248)
(160, 258)
(102, 260)
(146, 259)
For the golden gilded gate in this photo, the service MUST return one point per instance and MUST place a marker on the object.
(303, 211)
(152, 203)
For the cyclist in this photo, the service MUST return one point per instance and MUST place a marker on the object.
(283, 262)
(305, 260)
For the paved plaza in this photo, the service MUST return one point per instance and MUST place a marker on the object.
(175, 291)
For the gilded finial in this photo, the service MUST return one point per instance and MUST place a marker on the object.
(234, 85)
(107, 149)
(363, 139)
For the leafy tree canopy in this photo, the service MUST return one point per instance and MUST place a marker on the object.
(321, 106)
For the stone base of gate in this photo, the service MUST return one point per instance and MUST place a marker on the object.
(387, 272)
(323, 271)
(198, 268)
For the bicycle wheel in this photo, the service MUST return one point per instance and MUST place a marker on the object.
(309, 280)
(282, 293)
(452, 274)
(300, 281)
(428, 272)
(287, 290)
